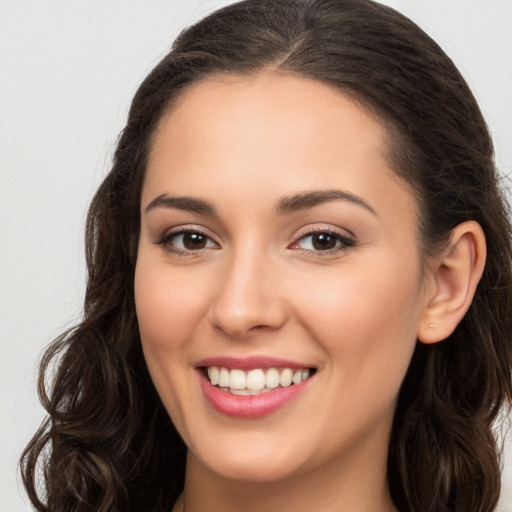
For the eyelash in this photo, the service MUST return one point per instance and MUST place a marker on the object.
(165, 241)
(342, 242)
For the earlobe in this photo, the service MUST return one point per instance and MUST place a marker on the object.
(455, 274)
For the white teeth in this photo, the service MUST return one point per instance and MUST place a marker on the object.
(213, 375)
(256, 381)
(286, 377)
(224, 378)
(237, 379)
(272, 378)
(240, 391)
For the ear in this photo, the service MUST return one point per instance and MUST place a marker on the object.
(454, 276)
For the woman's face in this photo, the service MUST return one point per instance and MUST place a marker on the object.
(276, 242)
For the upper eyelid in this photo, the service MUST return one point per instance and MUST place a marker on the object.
(322, 228)
(188, 228)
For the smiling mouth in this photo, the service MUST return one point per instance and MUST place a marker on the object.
(255, 381)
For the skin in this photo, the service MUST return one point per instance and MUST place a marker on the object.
(259, 287)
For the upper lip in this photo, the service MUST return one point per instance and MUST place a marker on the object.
(251, 362)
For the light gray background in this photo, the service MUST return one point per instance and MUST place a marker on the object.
(68, 70)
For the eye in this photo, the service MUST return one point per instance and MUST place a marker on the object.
(323, 241)
(186, 241)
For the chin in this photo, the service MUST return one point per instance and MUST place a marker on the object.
(251, 471)
(258, 464)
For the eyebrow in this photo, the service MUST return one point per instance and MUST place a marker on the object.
(309, 199)
(189, 204)
(287, 204)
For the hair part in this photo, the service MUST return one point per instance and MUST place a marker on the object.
(108, 443)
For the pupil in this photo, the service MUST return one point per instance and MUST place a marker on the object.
(194, 241)
(324, 241)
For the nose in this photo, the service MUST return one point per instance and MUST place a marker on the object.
(248, 298)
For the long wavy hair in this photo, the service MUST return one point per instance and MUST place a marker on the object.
(109, 445)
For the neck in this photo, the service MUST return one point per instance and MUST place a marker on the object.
(343, 484)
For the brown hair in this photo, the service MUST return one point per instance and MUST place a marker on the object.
(108, 443)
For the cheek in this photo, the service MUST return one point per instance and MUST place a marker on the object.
(366, 322)
(168, 306)
(168, 309)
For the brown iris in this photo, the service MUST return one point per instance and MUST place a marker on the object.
(194, 241)
(324, 241)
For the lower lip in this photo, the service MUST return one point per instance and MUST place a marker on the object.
(250, 406)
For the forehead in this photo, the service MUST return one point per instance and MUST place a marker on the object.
(231, 107)
(269, 132)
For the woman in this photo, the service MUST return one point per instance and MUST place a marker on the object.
(299, 281)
